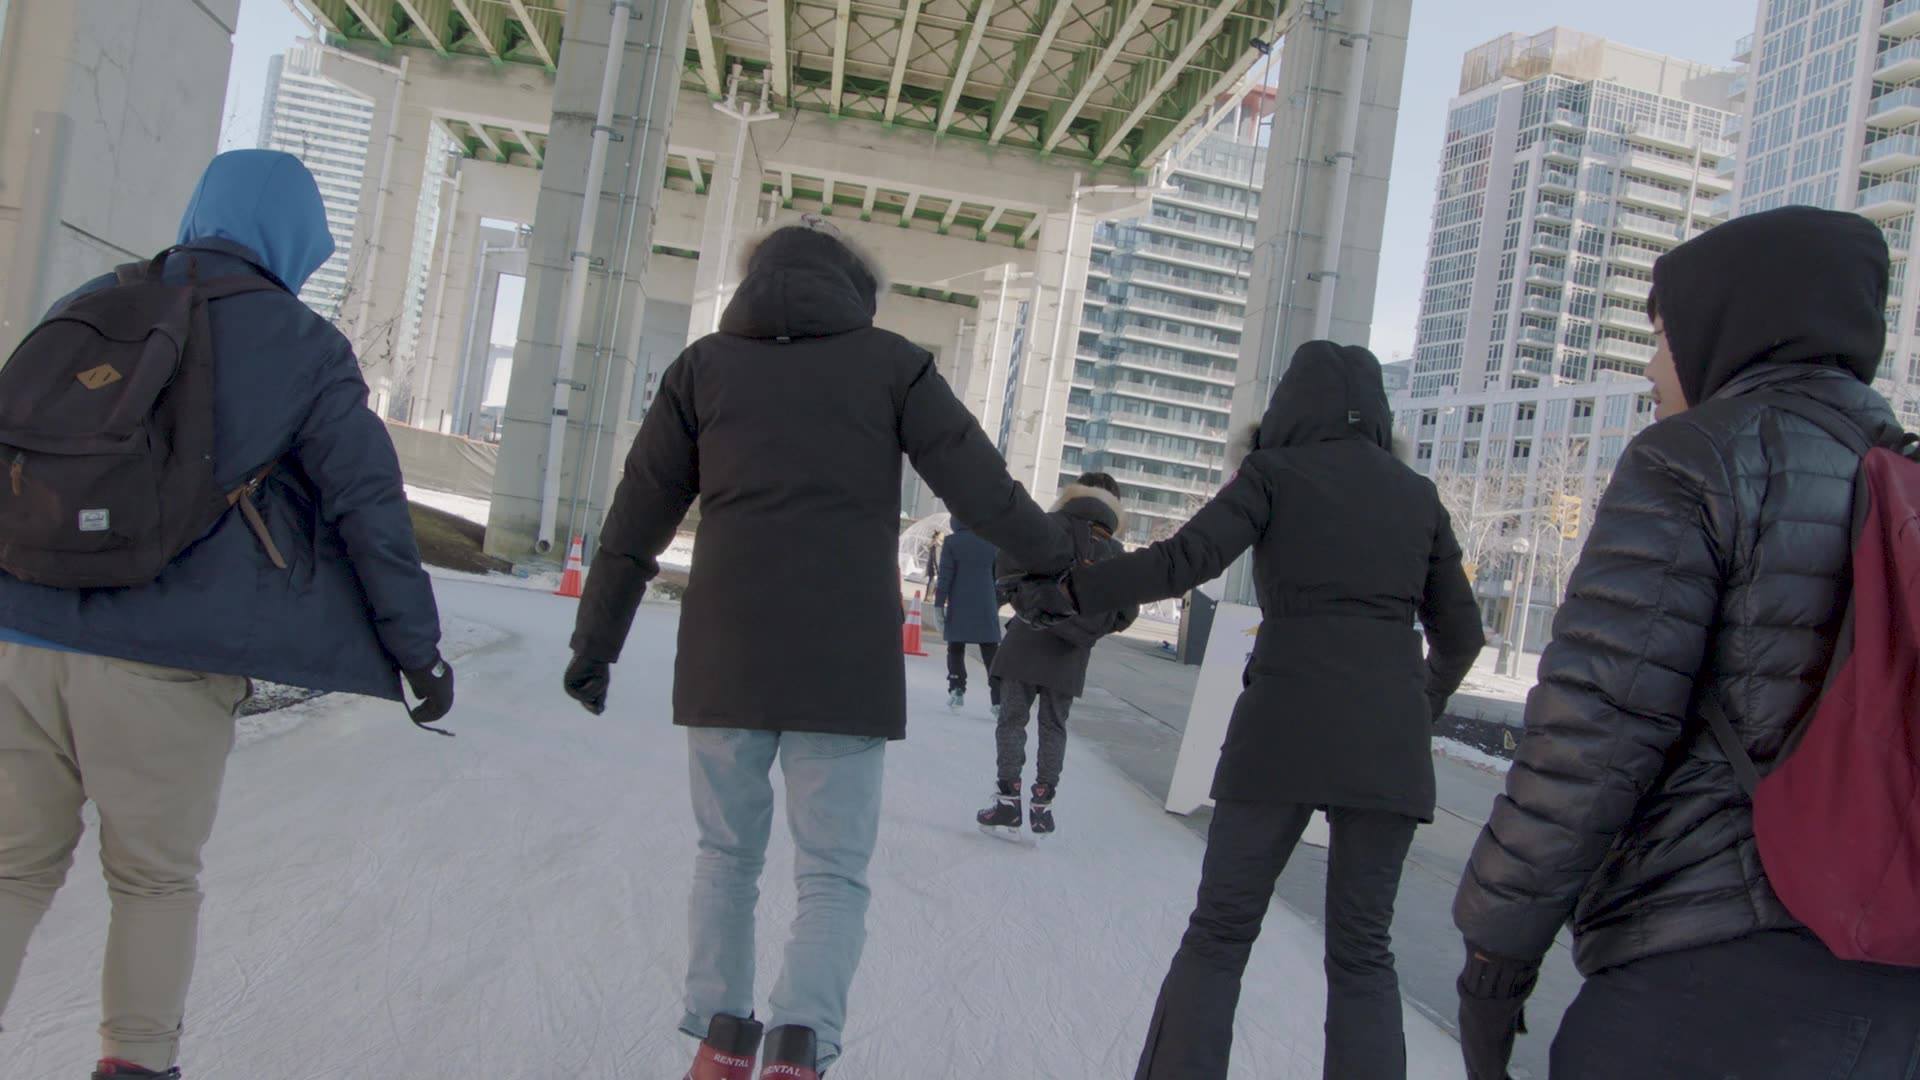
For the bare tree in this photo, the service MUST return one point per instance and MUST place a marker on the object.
(1486, 505)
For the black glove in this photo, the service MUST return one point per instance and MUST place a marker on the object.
(586, 682)
(433, 685)
(1493, 1000)
(1044, 601)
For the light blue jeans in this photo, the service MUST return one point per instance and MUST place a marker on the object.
(833, 811)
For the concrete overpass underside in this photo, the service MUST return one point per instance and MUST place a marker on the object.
(971, 143)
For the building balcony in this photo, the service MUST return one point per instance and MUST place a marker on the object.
(1628, 255)
(1559, 180)
(1894, 154)
(1677, 140)
(1638, 193)
(1889, 199)
(1241, 237)
(1554, 213)
(1623, 350)
(1623, 317)
(1549, 242)
(1538, 335)
(1714, 211)
(1895, 109)
(1566, 120)
(1198, 201)
(1143, 478)
(1546, 274)
(1900, 20)
(1658, 166)
(1564, 150)
(1743, 49)
(1196, 372)
(1737, 89)
(1196, 342)
(1630, 287)
(1542, 305)
(1734, 127)
(1167, 395)
(1224, 319)
(1898, 63)
(1643, 227)
(1208, 260)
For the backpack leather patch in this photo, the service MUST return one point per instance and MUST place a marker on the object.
(98, 378)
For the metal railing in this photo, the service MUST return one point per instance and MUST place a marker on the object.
(1538, 336)
(1895, 12)
(1624, 349)
(1633, 256)
(1630, 286)
(1893, 146)
(1651, 225)
(1563, 147)
(1549, 241)
(1907, 97)
(1241, 237)
(1649, 193)
(1891, 191)
(1149, 392)
(1198, 372)
(1175, 337)
(1543, 272)
(1213, 318)
(1234, 287)
(1898, 54)
(1168, 251)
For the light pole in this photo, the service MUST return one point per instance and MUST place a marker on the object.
(1510, 647)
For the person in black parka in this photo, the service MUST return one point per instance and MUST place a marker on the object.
(970, 609)
(789, 425)
(1048, 667)
(1717, 569)
(1350, 547)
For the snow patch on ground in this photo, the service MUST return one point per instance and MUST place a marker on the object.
(461, 506)
(275, 709)
(1470, 755)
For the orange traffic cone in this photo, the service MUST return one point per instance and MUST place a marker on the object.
(910, 634)
(570, 580)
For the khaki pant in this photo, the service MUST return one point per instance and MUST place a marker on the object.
(149, 746)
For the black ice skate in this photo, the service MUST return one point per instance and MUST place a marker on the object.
(1040, 810)
(792, 1054)
(1002, 819)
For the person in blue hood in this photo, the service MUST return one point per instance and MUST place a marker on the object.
(127, 697)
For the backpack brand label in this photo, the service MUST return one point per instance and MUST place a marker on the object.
(92, 521)
(98, 378)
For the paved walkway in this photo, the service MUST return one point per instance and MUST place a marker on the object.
(388, 905)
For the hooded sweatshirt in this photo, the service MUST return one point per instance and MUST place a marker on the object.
(267, 202)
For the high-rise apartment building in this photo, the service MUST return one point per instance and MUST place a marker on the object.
(1570, 164)
(1831, 100)
(1160, 332)
(326, 126)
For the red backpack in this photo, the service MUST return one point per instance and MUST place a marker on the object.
(1838, 816)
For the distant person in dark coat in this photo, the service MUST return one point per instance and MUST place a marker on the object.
(970, 610)
(789, 425)
(1049, 667)
(1350, 547)
(1717, 570)
(127, 697)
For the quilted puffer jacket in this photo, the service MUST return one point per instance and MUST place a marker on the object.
(1717, 564)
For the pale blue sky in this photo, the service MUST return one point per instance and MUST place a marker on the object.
(1443, 30)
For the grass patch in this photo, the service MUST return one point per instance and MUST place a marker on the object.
(453, 543)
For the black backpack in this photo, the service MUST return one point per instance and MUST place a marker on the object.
(106, 434)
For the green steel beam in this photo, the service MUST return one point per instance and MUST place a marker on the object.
(1036, 57)
(903, 51)
(1129, 24)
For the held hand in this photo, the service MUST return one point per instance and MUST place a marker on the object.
(1044, 601)
(1493, 999)
(587, 681)
(433, 685)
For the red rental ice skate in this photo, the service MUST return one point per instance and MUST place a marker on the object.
(792, 1054)
(115, 1069)
(728, 1050)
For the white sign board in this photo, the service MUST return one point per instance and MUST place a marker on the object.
(1229, 647)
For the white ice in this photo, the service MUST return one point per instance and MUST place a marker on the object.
(387, 904)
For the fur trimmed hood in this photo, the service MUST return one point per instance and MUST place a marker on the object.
(1092, 504)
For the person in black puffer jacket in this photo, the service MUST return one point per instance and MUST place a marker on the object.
(1717, 566)
(1350, 547)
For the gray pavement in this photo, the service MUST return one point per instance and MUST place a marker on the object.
(1133, 715)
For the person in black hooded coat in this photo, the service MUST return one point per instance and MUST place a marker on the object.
(789, 425)
(1717, 567)
(1350, 547)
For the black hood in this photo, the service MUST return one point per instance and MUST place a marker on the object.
(1793, 285)
(802, 283)
(1329, 392)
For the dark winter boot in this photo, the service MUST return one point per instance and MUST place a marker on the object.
(1040, 810)
(728, 1050)
(115, 1069)
(1002, 819)
(792, 1054)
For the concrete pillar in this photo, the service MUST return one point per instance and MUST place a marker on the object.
(603, 365)
(498, 253)
(1048, 341)
(95, 165)
(732, 220)
(1289, 252)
